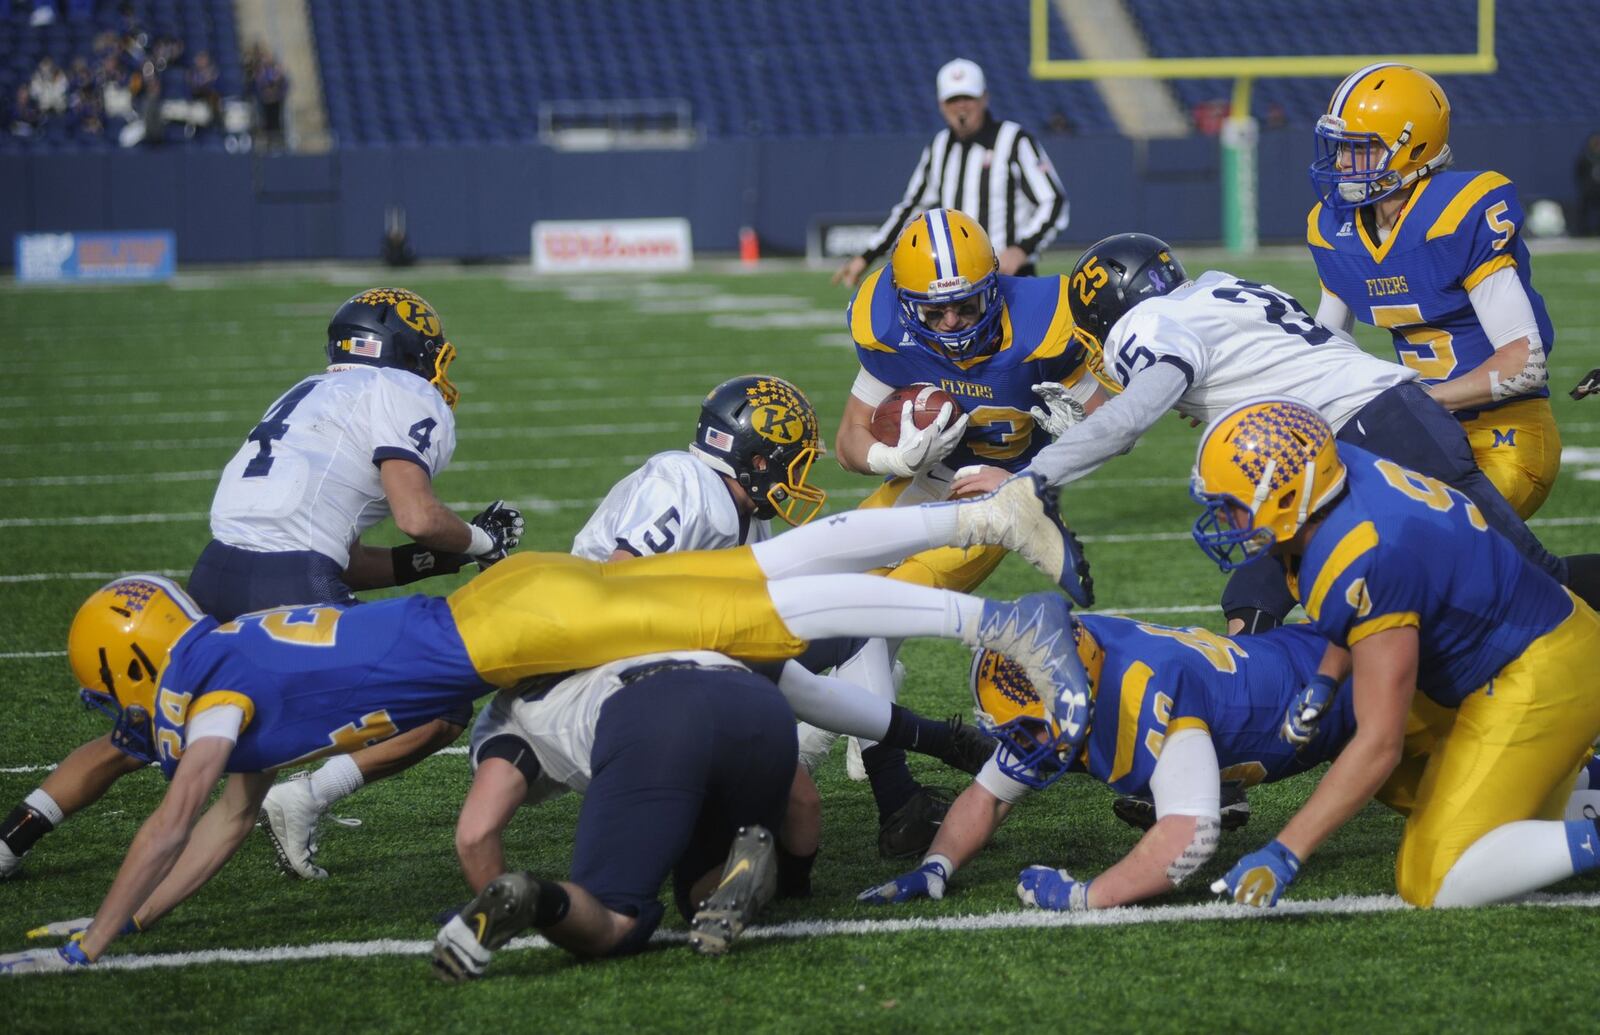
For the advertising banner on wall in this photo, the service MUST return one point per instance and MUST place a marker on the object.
(582, 245)
(832, 238)
(57, 258)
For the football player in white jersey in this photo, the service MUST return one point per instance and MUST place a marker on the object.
(1162, 341)
(332, 456)
(754, 444)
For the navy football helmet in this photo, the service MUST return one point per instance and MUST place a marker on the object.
(762, 432)
(1111, 278)
(393, 327)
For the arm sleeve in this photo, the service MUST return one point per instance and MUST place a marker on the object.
(997, 783)
(225, 721)
(1039, 182)
(1503, 308)
(1112, 429)
(919, 194)
(1333, 314)
(1187, 780)
(869, 389)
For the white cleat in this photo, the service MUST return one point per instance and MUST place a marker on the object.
(815, 743)
(10, 862)
(1036, 633)
(290, 815)
(1022, 516)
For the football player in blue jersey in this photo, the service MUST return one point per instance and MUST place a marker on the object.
(1404, 572)
(942, 313)
(1178, 714)
(1435, 255)
(279, 687)
(334, 455)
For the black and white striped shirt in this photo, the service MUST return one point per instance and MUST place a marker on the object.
(1001, 177)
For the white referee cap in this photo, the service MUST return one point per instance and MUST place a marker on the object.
(961, 78)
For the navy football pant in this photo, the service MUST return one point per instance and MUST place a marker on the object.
(228, 582)
(1405, 425)
(682, 759)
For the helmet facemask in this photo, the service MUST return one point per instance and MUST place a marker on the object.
(791, 498)
(979, 303)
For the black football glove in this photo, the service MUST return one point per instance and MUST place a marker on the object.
(504, 525)
(1590, 385)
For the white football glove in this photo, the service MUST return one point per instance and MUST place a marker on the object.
(1060, 410)
(918, 448)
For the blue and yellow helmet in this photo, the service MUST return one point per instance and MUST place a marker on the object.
(118, 646)
(1274, 460)
(1386, 127)
(943, 258)
(1038, 751)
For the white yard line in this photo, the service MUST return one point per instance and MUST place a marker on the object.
(1011, 920)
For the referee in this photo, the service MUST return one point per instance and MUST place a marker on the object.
(993, 171)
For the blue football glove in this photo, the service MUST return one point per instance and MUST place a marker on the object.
(1306, 711)
(926, 880)
(44, 961)
(1260, 878)
(1049, 888)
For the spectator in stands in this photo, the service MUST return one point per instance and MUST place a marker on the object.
(49, 88)
(1020, 202)
(271, 86)
(1588, 172)
(24, 116)
(204, 83)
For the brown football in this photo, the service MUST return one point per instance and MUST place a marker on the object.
(926, 400)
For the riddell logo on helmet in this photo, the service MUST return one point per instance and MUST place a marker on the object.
(948, 284)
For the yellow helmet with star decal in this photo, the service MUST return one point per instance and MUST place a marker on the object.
(1262, 469)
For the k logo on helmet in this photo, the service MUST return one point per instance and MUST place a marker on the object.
(418, 316)
(777, 423)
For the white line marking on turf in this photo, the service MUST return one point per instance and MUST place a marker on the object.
(1016, 920)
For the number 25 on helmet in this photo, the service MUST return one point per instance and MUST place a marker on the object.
(1108, 280)
(118, 646)
(1263, 468)
(943, 263)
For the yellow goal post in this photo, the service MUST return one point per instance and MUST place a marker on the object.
(1239, 131)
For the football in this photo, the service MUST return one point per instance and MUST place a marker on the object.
(926, 400)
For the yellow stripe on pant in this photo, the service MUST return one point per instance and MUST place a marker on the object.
(945, 567)
(538, 613)
(1511, 754)
(1519, 449)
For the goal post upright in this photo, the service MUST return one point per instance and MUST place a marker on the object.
(1240, 131)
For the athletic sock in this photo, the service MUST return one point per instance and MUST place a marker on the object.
(889, 777)
(912, 732)
(794, 873)
(551, 905)
(35, 817)
(337, 779)
(1583, 577)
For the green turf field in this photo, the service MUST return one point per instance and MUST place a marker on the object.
(121, 405)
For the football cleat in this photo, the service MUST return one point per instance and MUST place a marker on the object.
(970, 747)
(502, 910)
(911, 828)
(749, 880)
(290, 816)
(815, 743)
(1022, 516)
(1139, 810)
(855, 766)
(1036, 633)
(10, 862)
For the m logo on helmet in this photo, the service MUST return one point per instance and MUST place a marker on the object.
(777, 423)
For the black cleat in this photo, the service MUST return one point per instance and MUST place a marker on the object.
(502, 910)
(969, 749)
(1139, 811)
(913, 826)
(749, 880)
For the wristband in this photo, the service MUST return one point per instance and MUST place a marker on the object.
(482, 542)
(414, 561)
